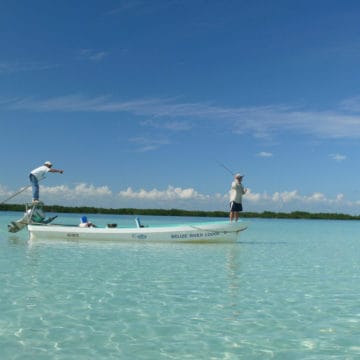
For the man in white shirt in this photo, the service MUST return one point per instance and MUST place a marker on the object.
(236, 193)
(38, 174)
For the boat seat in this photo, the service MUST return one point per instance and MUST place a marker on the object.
(138, 223)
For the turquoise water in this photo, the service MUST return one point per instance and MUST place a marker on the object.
(289, 289)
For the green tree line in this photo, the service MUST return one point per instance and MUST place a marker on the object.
(180, 212)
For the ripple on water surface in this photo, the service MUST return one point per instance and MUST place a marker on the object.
(287, 290)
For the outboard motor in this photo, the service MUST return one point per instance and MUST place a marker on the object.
(34, 214)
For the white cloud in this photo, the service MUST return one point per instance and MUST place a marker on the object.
(171, 193)
(352, 104)
(5, 192)
(63, 195)
(93, 55)
(185, 198)
(285, 196)
(148, 144)
(261, 121)
(15, 67)
(175, 197)
(338, 157)
(294, 200)
(79, 191)
(265, 154)
(168, 125)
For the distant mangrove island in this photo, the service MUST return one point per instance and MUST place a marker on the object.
(180, 212)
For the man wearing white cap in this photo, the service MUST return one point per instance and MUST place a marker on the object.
(38, 174)
(236, 193)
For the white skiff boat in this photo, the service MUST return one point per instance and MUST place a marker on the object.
(215, 231)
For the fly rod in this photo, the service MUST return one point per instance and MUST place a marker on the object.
(226, 168)
(17, 193)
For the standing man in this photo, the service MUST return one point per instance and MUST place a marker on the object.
(38, 174)
(236, 193)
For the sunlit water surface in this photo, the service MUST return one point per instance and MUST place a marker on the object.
(288, 289)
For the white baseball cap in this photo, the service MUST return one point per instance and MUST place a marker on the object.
(48, 163)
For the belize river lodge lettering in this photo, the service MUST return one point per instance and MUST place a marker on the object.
(194, 235)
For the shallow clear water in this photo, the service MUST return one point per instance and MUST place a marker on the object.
(289, 289)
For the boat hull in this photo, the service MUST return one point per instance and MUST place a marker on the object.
(223, 231)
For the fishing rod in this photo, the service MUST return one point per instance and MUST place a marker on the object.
(226, 168)
(17, 193)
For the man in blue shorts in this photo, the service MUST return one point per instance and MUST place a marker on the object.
(236, 193)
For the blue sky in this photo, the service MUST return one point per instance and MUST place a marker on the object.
(139, 101)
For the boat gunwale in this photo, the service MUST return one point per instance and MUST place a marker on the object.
(194, 225)
(204, 232)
